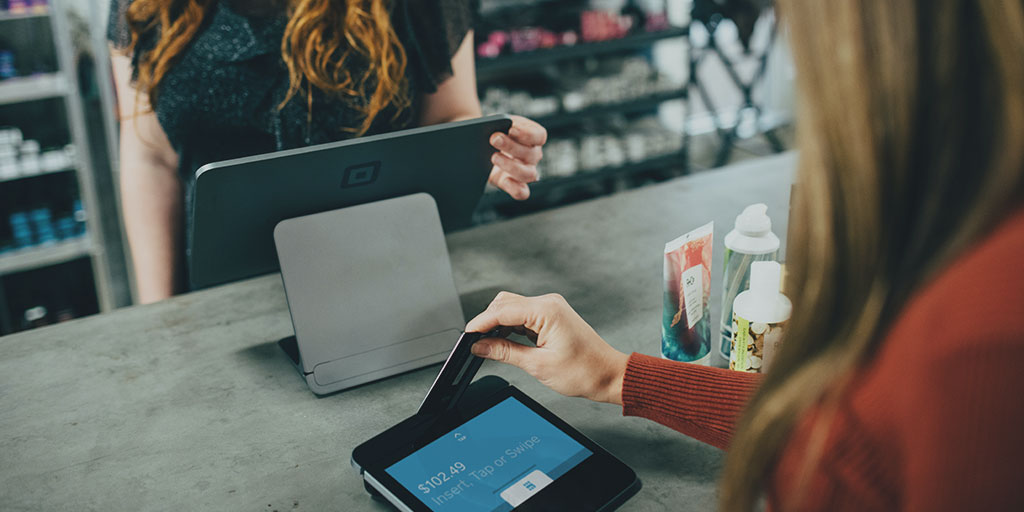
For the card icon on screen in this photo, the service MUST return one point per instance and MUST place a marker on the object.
(529, 485)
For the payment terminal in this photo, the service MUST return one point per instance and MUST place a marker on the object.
(486, 446)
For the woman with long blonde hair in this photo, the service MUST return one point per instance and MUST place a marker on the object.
(200, 81)
(898, 384)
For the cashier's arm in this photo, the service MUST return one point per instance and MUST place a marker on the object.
(517, 153)
(151, 197)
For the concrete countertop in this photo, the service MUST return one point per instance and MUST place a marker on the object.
(190, 404)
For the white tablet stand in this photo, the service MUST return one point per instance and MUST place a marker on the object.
(370, 291)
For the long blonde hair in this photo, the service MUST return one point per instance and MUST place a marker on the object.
(911, 130)
(321, 41)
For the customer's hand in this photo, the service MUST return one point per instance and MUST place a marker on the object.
(569, 358)
(515, 162)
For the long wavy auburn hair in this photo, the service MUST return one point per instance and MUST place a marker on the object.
(322, 41)
(910, 130)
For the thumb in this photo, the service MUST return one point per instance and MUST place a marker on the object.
(503, 351)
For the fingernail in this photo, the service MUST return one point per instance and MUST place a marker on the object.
(481, 350)
(499, 139)
(515, 132)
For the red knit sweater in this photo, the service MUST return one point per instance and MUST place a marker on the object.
(935, 422)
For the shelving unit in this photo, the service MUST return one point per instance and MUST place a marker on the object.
(508, 68)
(35, 91)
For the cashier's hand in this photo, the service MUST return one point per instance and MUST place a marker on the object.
(515, 162)
(570, 357)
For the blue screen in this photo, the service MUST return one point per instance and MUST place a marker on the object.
(492, 462)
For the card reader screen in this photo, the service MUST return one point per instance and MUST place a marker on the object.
(492, 462)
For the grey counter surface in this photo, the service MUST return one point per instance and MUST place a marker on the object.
(189, 403)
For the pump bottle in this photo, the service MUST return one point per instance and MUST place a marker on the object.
(760, 317)
(751, 240)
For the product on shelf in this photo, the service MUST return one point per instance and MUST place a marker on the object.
(603, 25)
(49, 295)
(553, 23)
(35, 317)
(634, 79)
(29, 162)
(23, 6)
(561, 158)
(8, 163)
(20, 158)
(500, 100)
(7, 69)
(39, 214)
(637, 142)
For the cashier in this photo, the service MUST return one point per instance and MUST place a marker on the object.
(200, 81)
(898, 385)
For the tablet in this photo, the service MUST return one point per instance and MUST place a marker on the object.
(237, 203)
(506, 452)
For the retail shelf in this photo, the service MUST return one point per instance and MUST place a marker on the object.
(29, 88)
(546, 185)
(8, 15)
(648, 102)
(488, 68)
(43, 173)
(35, 257)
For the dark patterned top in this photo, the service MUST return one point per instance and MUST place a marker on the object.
(220, 99)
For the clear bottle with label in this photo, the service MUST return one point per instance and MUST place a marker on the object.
(760, 315)
(751, 240)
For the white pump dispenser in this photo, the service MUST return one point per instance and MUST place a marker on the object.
(753, 232)
(751, 240)
(760, 315)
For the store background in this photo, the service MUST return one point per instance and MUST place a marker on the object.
(619, 103)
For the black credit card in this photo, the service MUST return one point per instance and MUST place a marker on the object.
(454, 377)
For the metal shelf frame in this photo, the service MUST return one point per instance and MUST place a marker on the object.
(32, 88)
(728, 135)
(59, 86)
(562, 119)
(36, 175)
(43, 256)
(86, 184)
(11, 16)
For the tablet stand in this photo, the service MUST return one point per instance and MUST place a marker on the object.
(370, 291)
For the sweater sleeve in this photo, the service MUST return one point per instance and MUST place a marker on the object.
(699, 401)
(962, 420)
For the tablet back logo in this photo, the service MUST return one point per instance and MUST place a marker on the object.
(361, 174)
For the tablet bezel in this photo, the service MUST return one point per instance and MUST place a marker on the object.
(599, 482)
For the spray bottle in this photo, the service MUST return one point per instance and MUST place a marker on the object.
(752, 240)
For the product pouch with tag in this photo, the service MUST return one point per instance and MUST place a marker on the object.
(686, 319)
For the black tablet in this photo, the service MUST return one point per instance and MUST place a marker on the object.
(237, 203)
(504, 452)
